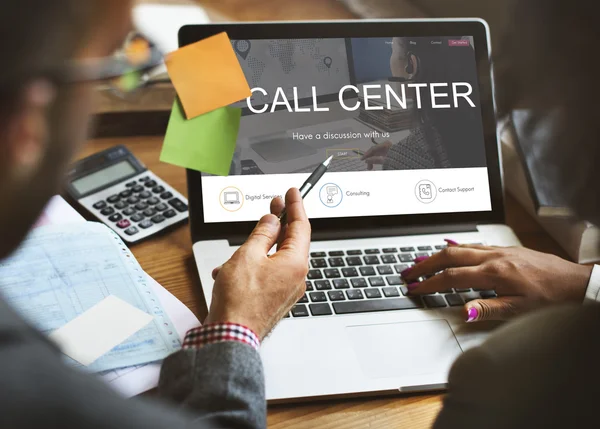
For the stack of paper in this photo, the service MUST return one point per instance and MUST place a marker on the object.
(390, 121)
(389, 118)
(78, 283)
(62, 272)
(580, 239)
(161, 23)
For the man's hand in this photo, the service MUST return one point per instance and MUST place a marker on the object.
(522, 278)
(257, 290)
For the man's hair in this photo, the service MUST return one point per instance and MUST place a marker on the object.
(36, 38)
(550, 61)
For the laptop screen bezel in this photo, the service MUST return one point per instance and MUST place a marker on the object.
(352, 29)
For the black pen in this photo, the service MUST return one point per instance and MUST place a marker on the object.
(308, 185)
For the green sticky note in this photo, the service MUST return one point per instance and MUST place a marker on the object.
(205, 143)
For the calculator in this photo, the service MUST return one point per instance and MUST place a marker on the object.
(117, 189)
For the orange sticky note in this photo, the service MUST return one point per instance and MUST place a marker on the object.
(207, 75)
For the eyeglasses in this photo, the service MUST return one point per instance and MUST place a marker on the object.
(125, 71)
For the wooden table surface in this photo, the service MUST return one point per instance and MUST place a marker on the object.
(168, 259)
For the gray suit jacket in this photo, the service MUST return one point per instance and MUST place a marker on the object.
(537, 372)
(217, 386)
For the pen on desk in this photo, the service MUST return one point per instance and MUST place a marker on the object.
(308, 185)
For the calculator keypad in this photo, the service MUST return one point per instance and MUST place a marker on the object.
(146, 224)
(132, 231)
(124, 223)
(158, 219)
(107, 211)
(140, 204)
(178, 205)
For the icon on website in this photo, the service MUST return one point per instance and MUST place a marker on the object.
(242, 47)
(331, 192)
(425, 191)
(331, 195)
(231, 199)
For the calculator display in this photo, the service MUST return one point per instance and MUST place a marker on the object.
(103, 177)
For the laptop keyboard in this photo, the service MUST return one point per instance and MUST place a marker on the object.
(369, 280)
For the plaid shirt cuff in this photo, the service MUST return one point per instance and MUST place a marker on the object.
(218, 333)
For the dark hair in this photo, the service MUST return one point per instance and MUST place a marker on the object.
(548, 62)
(460, 129)
(36, 38)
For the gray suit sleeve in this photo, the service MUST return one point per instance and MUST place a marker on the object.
(540, 371)
(223, 381)
(217, 386)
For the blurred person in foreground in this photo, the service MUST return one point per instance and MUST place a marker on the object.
(53, 54)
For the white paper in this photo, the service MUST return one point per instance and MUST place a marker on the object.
(138, 379)
(99, 329)
(61, 271)
(58, 211)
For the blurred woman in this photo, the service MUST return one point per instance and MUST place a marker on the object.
(439, 138)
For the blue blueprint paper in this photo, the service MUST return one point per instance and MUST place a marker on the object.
(60, 271)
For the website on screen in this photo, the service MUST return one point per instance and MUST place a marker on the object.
(401, 117)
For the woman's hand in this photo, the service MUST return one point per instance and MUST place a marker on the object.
(377, 154)
(522, 278)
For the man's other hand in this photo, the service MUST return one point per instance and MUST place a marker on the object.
(257, 290)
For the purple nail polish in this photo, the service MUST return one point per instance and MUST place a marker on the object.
(472, 314)
(406, 272)
(451, 242)
(413, 286)
(421, 259)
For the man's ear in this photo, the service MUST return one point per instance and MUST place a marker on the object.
(27, 129)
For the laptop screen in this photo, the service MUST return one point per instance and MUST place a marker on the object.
(400, 116)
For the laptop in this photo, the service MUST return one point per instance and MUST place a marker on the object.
(318, 84)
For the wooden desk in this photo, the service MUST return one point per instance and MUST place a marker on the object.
(169, 260)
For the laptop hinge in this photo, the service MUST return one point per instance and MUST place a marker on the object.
(379, 232)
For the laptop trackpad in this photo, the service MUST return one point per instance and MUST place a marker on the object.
(402, 349)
